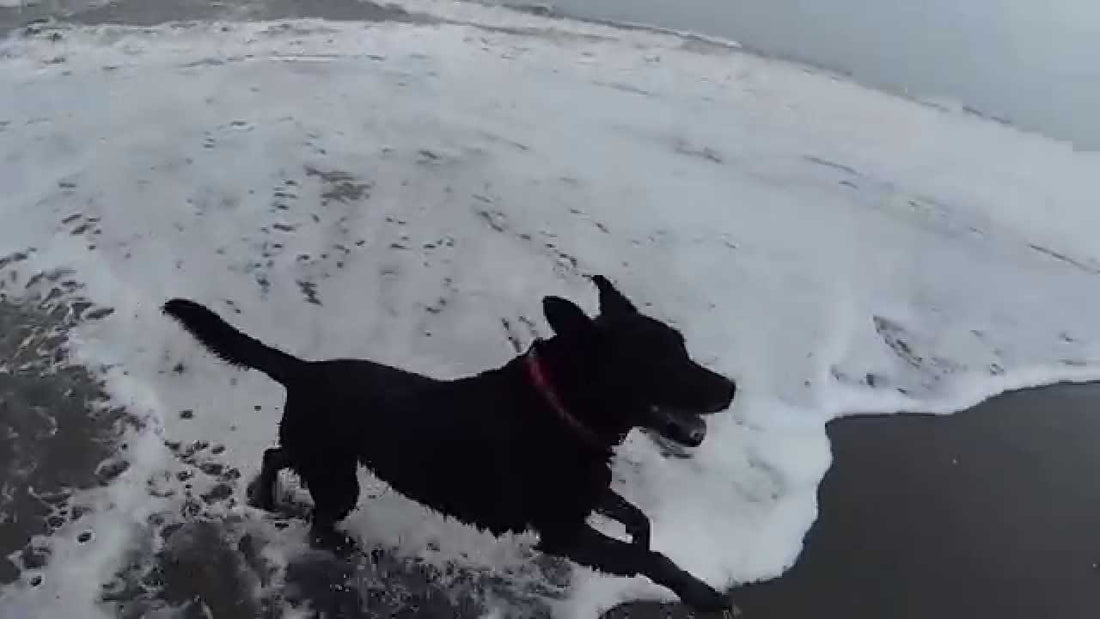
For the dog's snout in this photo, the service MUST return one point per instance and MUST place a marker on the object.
(728, 392)
(696, 435)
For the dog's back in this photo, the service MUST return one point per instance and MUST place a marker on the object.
(464, 448)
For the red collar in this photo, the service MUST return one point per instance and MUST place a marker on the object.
(537, 372)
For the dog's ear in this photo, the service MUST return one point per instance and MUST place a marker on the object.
(611, 300)
(565, 317)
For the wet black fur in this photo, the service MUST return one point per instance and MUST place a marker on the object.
(489, 450)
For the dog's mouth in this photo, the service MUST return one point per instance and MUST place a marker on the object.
(683, 428)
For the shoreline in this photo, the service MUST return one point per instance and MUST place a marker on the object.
(156, 13)
(988, 512)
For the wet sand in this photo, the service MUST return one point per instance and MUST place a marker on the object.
(992, 512)
(57, 433)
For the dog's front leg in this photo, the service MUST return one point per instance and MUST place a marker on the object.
(617, 508)
(593, 549)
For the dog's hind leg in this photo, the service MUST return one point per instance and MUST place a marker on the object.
(593, 549)
(334, 486)
(261, 492)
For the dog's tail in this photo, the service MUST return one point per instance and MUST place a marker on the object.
(230, 344)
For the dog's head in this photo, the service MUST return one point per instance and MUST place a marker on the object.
(629, 370)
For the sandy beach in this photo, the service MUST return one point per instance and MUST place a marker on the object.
(986, 513)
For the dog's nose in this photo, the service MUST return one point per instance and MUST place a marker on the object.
(697, 434)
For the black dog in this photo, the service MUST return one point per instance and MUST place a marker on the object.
(524, 446)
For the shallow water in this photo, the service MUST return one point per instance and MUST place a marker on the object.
(1036, 64)
(150, 12)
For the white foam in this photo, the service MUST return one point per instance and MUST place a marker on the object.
(770, 212)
